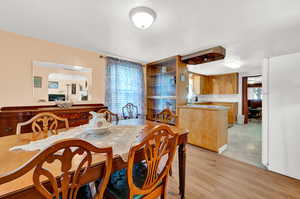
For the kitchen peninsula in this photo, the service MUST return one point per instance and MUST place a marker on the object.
(207, 125)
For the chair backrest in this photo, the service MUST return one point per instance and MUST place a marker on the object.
(42, 123)
(72, 176)
(166, 116)
(130, 111)
(109, 115)
(159, 144)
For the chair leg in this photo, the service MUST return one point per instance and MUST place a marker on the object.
(164, 192)
(170, 171)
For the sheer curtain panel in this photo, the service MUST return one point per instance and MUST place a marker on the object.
(124, 84)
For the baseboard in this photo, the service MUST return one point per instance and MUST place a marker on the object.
(222, 149)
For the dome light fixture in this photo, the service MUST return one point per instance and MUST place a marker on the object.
(142, 17)
(232, 63)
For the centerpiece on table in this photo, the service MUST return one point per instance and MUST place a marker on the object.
(98, 123)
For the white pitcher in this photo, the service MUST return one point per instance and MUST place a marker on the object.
(97, 121)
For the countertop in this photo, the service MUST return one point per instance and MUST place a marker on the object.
(205, 107)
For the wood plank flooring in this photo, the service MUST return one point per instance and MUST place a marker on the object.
(213, 176)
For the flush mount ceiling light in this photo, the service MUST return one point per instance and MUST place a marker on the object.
(142, 17)
(234, 64)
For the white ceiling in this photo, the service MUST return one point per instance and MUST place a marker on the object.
(249, 30)
(219, 67)
(255, 80)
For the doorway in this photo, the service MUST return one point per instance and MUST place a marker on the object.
(245, 141)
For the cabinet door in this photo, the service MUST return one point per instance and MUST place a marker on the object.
(196, 85)
(224, 84)
(205, 88)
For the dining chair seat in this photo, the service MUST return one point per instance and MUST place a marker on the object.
(118, 184)
(84, 192)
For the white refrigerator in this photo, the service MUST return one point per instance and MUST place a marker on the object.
(281, 114)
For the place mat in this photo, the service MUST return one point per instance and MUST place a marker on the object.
(120, 138)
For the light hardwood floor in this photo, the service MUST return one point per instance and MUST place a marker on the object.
(245, 143)
(213, 176)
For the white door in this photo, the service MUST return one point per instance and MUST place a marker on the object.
(284, 115)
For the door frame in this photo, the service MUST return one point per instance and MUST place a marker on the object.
(245, 97)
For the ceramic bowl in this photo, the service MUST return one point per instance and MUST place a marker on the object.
(99, 131)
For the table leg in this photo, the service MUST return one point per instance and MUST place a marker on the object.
(182, 164)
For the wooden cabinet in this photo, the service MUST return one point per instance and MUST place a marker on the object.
(232, 111)
(224, 84)
(207, 126)
(167, 82)
(196, 84)
(200, 84)
(215, 84)
(11, 116)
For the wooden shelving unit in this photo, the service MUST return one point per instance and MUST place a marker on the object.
(167, 85)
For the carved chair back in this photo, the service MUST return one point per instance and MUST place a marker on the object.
(166, 116)
(42, 123)
(130, 111)
(159, 145)
(72, 176)
(109, 115)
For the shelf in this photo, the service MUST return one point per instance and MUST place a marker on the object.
(162, 84)
(162, 74)
(159, 86)
(162, 97)
(157, 110)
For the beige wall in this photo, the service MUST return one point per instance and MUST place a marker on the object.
(16, 55)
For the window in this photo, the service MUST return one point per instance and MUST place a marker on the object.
(124, 84)
(255, 93)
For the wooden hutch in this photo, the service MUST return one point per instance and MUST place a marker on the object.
(167, 85)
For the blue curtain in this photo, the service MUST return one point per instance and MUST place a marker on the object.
(124, 84)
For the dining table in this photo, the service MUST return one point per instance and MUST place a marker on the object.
(23, 186)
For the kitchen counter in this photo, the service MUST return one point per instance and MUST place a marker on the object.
(207, 125)
(232, 109)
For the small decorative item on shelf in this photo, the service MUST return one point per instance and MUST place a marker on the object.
(37, 82)
(98, 123)
(73, 91)
(182, 77)
(63, 104)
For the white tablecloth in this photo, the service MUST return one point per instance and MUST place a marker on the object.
(121, 138)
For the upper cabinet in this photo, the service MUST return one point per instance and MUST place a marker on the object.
(199, 84)
(224, 84)
(214, 84)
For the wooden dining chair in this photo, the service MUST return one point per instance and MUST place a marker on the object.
(166, 116)
(109, 115)
(42, 123)
(74, 177)
(130, 111)
(147, 179)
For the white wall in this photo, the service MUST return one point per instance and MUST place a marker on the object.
(16, 55)
(265, 108)
(281, 113)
